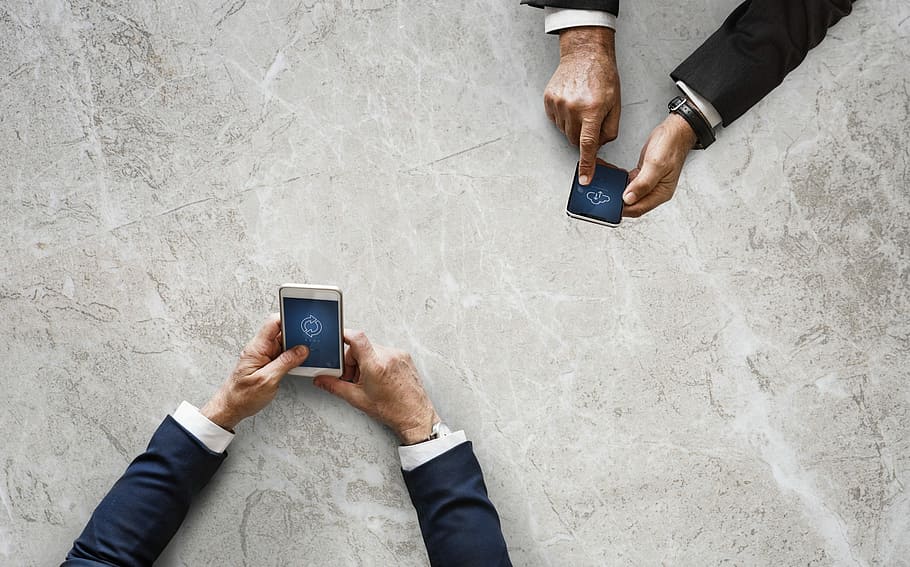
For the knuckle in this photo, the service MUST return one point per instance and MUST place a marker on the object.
(660, 163)
(577, 105)
(591, 106)
(383, 366)
(358, 336)
(588, 140)
(286, 358)
(258, 379)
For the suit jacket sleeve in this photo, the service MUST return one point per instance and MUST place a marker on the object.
(144, 509)
(611, 6)
(755, 48)
(459, 522)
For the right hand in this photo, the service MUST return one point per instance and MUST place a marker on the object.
(254, 382)
(582, 98)
(383, 383)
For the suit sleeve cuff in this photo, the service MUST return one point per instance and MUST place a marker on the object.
(212, 436)
(702, 104)
(557, 19)
(412, 456)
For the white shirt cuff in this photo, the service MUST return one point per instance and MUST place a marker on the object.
(199, 426)
(702, 104)
(412, 456)
(561, 18)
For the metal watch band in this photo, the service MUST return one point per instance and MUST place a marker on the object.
(439, 430)
(703, 132)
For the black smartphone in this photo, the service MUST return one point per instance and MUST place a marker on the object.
(601, 201)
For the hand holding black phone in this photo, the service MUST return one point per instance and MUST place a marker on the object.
(600, 201)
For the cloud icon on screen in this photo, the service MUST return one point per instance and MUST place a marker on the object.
(597, 198)
(311, 326)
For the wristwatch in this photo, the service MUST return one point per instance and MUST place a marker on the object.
(439, 431)
(704, 133)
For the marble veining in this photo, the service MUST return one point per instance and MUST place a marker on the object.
(724, 381)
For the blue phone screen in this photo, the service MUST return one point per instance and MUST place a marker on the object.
(314, 323)
(602, 199)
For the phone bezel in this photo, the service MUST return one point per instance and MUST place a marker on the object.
(592, 219)
(306, 291)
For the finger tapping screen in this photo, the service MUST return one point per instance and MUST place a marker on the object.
(314, 323)
(602, 199)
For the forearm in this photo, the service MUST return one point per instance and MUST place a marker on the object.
(754, 49)
(458, 521)
(138, 517)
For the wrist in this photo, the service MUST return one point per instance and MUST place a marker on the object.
(587, 39)
(216, 411)
(420, 431)
(681, 131)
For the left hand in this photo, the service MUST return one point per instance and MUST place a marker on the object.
(256, 378)
(660, 164)
(383, 383)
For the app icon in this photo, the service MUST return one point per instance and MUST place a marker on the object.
(311, 326)
(598, 198)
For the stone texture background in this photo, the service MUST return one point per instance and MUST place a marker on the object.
(724, 381)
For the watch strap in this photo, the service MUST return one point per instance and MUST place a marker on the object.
(704, 133)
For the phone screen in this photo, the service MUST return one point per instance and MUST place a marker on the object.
(314, 323)
(601, 200)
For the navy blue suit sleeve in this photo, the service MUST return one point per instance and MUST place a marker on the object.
(755, 48)
(611, 6)
(144, 509)
(459, 522)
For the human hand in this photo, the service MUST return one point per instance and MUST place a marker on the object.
(255, 379)
(582, 98)
(383, 383)
(654, 181)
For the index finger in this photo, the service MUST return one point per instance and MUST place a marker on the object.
(589, 143)
(360, 345)
(266, 339)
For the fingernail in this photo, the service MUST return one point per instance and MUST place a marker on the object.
(628, 198)
(583, 179)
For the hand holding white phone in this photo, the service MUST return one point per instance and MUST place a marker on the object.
(311, 315)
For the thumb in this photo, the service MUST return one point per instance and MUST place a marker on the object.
(589, 143)
(285, 361)
(352, 393)
(645, 179)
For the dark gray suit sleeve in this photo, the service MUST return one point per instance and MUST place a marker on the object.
(611, 6)
(755, 48)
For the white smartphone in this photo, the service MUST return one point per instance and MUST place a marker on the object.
(311, 316)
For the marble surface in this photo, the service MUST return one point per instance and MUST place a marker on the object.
(724, 381)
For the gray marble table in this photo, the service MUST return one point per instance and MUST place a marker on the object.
(724, 381)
